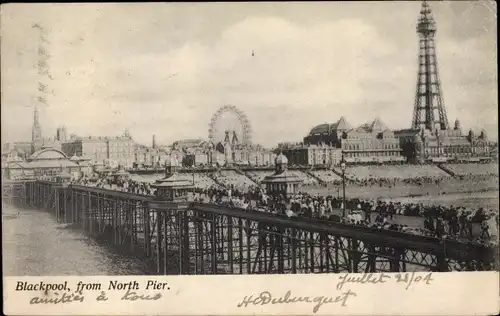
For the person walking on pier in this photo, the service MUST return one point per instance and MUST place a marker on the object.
(469, 225)
(453, 225)
(462, 219)
(428, 224)
(440, 227)
(367, 213)
(485, 230)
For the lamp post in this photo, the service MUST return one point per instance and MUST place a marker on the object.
(343, 166)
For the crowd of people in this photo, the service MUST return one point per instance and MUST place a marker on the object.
(391, 182)
(125, 185)
(410, 176)
(230, 178)
(438, 221)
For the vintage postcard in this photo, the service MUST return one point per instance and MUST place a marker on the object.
(273, 158)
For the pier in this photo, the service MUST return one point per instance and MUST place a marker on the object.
(198, 238)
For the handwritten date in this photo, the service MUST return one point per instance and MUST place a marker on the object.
(410, 279)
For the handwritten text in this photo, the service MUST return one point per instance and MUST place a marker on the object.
(267, 298)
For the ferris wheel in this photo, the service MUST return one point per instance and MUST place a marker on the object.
(240, 125)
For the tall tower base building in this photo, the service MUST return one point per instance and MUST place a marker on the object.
(430, 139)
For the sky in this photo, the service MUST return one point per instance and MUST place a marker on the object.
(165, 69)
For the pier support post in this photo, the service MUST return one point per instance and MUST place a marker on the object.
(249, 243)
(395, 260)
(165, 244)
(184, 229)
(293, 240)
(354, 255)
(230, 243)
(199, 258)
(146, 220)
(442, 265)
(91, 226)
(279, 244)
(311, 251)
(240, 245)
(213, 231)
(159, 240)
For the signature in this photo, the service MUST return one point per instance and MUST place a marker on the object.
(267, 298)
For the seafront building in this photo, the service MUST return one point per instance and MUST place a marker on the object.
(325, 145)
(112, 151)
(424, 146)
(313, 155)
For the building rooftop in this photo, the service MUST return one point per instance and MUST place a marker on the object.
(44, 164)
(100, 138)
(48, 153)
(341, 124)
(174, 180)
(376, 126)
(196, 142)
(408, 131)
(283, 177)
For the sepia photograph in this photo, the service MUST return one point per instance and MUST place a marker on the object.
(164, 139)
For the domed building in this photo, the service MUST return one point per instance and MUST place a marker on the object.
(46, 162)
(172, 188)
(282, 182)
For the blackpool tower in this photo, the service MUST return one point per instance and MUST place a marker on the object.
(429, 112)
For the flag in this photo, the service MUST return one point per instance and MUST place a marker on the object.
(43, 52)
(42, 100)
(42, 87)
(42, 64)
(44, 39)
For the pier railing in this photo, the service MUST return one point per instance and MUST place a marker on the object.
(195, 238)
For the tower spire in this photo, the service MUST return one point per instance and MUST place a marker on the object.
(429, 111)
(235, 140)
(36, 133)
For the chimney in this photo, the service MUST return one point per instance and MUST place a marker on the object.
(154, 141)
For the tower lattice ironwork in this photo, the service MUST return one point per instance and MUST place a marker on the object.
(429, 112)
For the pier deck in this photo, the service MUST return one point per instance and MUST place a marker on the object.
(195, 238)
